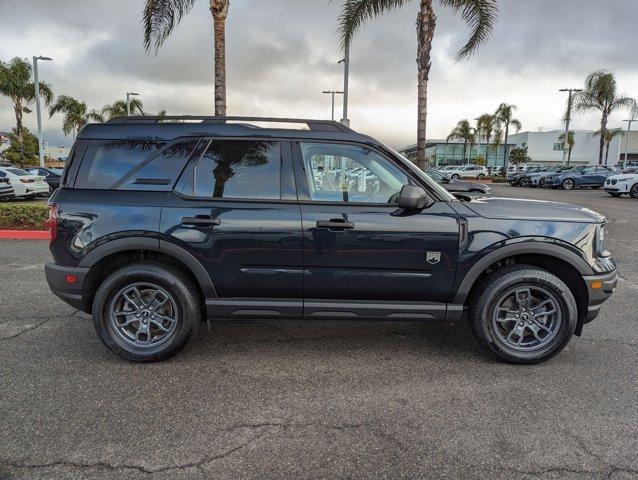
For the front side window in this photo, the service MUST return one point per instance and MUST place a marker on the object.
(350, 173)
(248, 169)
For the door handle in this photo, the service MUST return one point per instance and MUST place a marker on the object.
(201, 220)
(335, 223)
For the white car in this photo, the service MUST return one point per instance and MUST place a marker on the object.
(467, 171)
(623, 183)
(25, 184)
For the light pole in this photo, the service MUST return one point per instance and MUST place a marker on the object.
(477, 131)
(333, 93)
(346, 81)
(128, 102)
(37, 106)
(569, 117)
(629, 122)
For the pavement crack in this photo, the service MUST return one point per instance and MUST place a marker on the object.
(47, 319)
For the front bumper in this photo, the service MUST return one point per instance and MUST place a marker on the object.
(600, 287)
(619, 187)
(71, 293)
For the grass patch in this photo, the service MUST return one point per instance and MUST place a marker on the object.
(23, 215)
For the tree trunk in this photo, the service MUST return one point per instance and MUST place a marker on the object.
(603, 129)
(425, 25)
(607, 152)
(17, 108)
(569, 155)
(507, 134)
(219, 9)
(465, 152)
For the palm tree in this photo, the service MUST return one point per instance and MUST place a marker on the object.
(601, 93)
(480, 15)
(486, 124)
(118, 108)
(607, 137)
(16, 83)
(504, 116)
(161, 16)
(463, 131)
(570, 142)
(76, 114)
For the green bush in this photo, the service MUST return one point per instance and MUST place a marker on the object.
(23, 215)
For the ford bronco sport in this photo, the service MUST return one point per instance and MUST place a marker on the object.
(162, 222)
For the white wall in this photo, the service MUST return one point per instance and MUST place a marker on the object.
(540, 146)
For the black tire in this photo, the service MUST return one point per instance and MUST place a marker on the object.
(568, 184)
(634, 191)
(185, 296)
(484, 303)
(455, 176)
(615, 194)
(480, 176)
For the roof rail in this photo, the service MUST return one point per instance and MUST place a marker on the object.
(318, 125)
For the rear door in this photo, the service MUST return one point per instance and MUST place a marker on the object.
(363, 256)
(235, 210)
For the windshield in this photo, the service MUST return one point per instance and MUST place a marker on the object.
(442, 192)
(18, 172)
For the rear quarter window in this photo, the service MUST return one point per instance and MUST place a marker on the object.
(106, 162)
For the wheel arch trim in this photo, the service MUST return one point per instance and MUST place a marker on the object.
(536, 247)
(154, 245)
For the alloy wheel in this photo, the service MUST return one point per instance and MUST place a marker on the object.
(634, 191)
(569, 184)
(143, 314)
(526, 318)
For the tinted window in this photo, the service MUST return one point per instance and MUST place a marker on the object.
(239, 169)
(160, 173)
(18, 172)
(350, 173)
(107, 161)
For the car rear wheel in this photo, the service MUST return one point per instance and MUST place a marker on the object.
(146, 312)
(455, 176)
(634, 191)
(480, 176)
(568, 184)
(523, 314)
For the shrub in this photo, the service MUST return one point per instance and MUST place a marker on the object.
(23, 215)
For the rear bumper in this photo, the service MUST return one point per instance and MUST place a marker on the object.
(71, 293)
(598, 296)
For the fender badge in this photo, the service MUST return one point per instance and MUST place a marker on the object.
(433, 257)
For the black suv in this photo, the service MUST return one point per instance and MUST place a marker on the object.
(161, 222)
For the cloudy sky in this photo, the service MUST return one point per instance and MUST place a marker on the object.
(283, 53)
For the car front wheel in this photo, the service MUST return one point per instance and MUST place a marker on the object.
(523, 314)
(455, 176)
(146, 312)
(568, 184)
(634, 191)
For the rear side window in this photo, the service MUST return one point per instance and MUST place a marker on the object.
(248, 169)
(107, 161)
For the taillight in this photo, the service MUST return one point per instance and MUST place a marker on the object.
(52, 221)
(26, 181)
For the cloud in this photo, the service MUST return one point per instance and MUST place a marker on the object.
(281, 54)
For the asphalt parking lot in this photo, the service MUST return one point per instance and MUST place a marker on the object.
(317, 399)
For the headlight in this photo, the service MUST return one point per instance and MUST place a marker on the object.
(601, 251)
(622, 180)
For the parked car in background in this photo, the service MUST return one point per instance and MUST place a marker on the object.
(625, 183)
(6, 189)
(467, 171)
(25, 184)
(514, 176)
(593, 176)
(51, 175)
(496, 171)
(458, 186)
(532, 179)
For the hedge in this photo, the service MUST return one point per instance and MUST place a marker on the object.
(23, 215)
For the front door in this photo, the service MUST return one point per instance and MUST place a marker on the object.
(234, 209)
(363, 256)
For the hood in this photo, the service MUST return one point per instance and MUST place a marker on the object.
(539, 210)
(623, 176)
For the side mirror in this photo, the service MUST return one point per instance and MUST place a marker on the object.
(413, 198)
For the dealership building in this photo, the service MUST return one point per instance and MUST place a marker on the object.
(543, 148)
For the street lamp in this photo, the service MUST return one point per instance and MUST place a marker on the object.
(346, 80)
(128, 102)
(333, 93)
(37, 106)
(569, 116)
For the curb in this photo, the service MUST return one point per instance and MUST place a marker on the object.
(25, 235)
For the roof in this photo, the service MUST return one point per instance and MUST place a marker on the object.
(171, 127)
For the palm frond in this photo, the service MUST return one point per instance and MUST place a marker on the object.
(159, 18)
(480, 16)
(356, 12)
